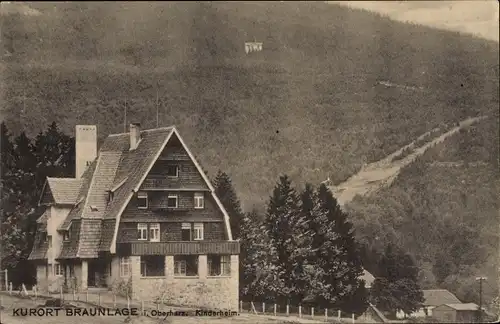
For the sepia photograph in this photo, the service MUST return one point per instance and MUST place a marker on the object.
(249, 162)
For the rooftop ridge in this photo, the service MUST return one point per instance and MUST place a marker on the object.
(145, 131)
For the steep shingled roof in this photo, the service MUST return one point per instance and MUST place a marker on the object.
(122, 171)
(80, 200)
(64, 190)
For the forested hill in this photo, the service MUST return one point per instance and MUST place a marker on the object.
(317, 101)
(443, 209)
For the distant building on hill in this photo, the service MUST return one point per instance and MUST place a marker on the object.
(253, 47)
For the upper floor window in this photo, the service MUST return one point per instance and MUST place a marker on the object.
(142, 200)
(173, 201)
(49, 239)
(125, 267)
(172, 171)
(198, 231)
(154, 232)
(142, 231)
(58, 269)
(199, 200)
(186, 232)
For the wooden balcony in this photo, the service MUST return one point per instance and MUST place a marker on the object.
(180, 248)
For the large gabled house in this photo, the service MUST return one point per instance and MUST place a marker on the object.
(140, 216)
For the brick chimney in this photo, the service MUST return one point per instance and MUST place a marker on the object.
(135, 135)
(85, 147)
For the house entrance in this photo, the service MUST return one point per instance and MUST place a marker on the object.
(97, 273)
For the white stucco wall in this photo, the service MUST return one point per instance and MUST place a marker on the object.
(56, 218)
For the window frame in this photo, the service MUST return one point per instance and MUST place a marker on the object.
(142, 228)
(225, 260)
(143, 266)
(199, 196)
(176, 170)
(183, 264)
(172, 196)
(125, 263)
(154, 228)
(142, 195)
(198, 228)
(187, 226)
(58, 269)
(224, 265)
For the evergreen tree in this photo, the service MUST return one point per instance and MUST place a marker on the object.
(25, 167)
(54, 152)
(337, 255)
(259, 277)
(397, 286)
(225, 191)
(7, 150)
(282, 225)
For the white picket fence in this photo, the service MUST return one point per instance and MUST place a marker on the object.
(298, 311)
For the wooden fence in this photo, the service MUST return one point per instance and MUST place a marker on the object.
(307, 312)
(110, 299)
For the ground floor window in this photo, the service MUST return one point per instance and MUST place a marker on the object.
(186, 265)
(152, 266)
(219, 265)
(125, 267)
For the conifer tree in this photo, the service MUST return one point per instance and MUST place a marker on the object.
(259, 277)
(282, 225)
(339, 256)
(225, 192)
(397, 286)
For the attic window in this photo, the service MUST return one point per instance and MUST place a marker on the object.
(66, 236)
(172, 171)
(93, 208)
(142, 200)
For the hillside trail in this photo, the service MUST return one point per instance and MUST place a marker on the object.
(382, 173)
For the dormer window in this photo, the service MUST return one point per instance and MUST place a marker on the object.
(142, 200)
(93, 208)
(172, 201)
(66, 236)
(172, 171)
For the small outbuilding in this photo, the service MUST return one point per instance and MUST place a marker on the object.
(456, 313)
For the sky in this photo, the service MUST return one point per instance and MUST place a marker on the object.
(479, 17)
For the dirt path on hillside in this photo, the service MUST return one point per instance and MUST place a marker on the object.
(379, 174)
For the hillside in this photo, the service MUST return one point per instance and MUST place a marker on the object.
(449, 196)
(317, 101)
